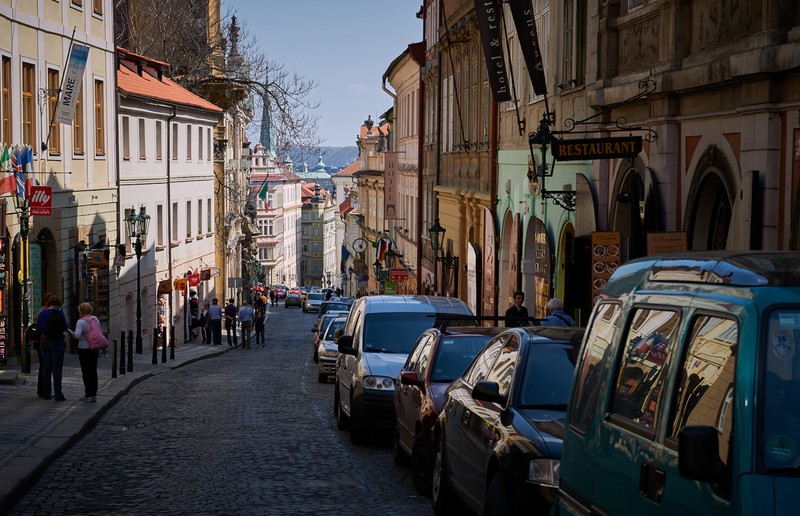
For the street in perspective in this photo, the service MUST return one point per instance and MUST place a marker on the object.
(250, 431)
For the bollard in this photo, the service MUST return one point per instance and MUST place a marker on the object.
(122, 354)
(114, 358)
(155, 346)
(130, 351)
(164, 345)
(172, 346)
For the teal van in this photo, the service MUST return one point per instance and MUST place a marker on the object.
(686, 396)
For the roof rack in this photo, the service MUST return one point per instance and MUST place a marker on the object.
(443, 320)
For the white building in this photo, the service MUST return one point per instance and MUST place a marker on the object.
(166, 166)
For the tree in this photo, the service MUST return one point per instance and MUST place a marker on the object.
(215, 57)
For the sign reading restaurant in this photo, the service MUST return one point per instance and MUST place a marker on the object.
(596, 148)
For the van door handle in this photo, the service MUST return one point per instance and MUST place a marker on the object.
(466, 417)
(651, 482)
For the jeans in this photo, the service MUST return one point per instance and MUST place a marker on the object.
(231, 332)
(52, 351)
(216, 330)
(246, 326)
(259, 335)
(88, 359)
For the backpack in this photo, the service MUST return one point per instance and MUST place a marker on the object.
(54, 327)
(94, 336)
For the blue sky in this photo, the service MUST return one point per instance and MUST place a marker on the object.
(344, 46)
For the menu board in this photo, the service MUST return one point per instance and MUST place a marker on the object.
(605, 258)
(660, 242)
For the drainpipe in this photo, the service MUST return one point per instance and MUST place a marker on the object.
(169, 215)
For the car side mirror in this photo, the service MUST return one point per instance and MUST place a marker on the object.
(410, 378)
(345, 345)
(314, 330)
(698, 454)
(488, 391)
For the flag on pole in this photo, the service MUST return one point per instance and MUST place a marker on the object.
(7, 183)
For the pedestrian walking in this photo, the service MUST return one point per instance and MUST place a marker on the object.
(215, 321)
(259, 324)
(86, 355)
(517, 314)
(272, 297)
(230, 322)
(205, 329)
(557, 316)
(51, 325)
(246, 315)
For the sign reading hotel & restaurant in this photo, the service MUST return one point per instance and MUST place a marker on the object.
(596, 148)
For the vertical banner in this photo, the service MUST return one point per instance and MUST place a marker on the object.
(529, 42)
(73, 78)
(541, 269)
(472, 277)
(489, 14)
(391, 186)
(513, 260)
(489, 237)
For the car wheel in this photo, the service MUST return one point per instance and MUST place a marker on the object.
(316, 357)
(421, 467)
(399, 456)
(496, 499)
(342, 421)
(322, 378)
(442, 497)
(358, 429)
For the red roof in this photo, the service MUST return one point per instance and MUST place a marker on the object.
(349, 170)
(149, 81)
(345, 208)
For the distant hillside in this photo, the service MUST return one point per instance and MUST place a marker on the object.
(338, 157)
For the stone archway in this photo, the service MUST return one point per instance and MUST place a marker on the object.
(633, 207)
(710, 203)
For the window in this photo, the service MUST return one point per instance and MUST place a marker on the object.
(188, 143)
(188, 219)
(174, 234)
(199, 216)
(704, 391)
(97, 7)
(160, 225)
(209, 218)
(128, 238)
(54, 144)
(77, 125)
(142, 140)
(174, 142)
(6, 100)
(99, 116)
(199, 144)
(209, 147)
(591, 365)
(647, 348)
(77, 3)
(29, 104)
(126, 138)
(159, 143)
(574, 63)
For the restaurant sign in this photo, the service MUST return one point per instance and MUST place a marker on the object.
(596, 148)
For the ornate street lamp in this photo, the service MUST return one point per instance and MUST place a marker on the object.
(137, 226)
(22, 205)
(436, 233)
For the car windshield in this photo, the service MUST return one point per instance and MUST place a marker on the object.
(327, 307)
(547, 376)
(394, 332)
(316, 296)
(455, 354)
(336, 324)
(781, 412)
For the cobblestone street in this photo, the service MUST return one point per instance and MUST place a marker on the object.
(246, 432)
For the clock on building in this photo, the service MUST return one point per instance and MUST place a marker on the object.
(360, 245)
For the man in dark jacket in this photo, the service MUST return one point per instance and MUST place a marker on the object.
(230, 322)
(517, 314)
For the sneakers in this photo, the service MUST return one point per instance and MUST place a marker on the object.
(88, 398)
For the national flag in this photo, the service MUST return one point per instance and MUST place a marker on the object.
(5, 160)
(263, 192)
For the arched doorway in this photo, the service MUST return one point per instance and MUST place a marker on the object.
(48, 266)
(711, 214)
(634, 208)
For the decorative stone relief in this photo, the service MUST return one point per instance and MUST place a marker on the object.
(639, 44)
(722, 21)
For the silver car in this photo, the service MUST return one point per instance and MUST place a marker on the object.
(313, 301)
(327, 351)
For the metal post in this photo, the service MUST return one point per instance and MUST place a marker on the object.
(114, 351)
(138, 295)
(23, 232)
(155, 346)
(165, 343)
(122, 353)
(130, 350)
(172, 349)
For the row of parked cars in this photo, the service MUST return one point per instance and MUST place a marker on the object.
(680, 396)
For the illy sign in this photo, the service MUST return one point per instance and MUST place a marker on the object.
(41, 198)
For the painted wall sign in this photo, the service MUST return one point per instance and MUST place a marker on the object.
(596, 148)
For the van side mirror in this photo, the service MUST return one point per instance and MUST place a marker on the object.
(488, 391)
(345, 345)
(698, 454)
(410, 378)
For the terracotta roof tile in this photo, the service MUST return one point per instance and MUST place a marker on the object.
(349, 170)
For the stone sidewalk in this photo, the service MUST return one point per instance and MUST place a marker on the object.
(34, 432)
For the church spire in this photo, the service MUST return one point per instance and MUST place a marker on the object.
(266, 128)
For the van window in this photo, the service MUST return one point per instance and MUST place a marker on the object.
(646, 349)
(704, 391)
(592, 364)
(781, 412)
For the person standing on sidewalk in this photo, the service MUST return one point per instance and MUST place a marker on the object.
(51, 325)
(230, 322)
(259, 324)
(86, 355)
(205, 328)
(35, 337)
(246, 315)
(215, 321)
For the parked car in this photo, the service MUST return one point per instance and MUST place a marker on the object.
(685, 396)
(320, 325)
(376, 340)
(328, 351)
(498, 437)
(280, 291)
(438, 357)
(313, 301)
(293, 299)
(332, 306)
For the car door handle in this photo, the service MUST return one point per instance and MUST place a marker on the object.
(652, 481)
(466, 417)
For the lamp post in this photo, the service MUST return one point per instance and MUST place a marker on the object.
(436, 233)
(137, 225)
(377, 268)
(23, 208)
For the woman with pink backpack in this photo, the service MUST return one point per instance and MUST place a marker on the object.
(90, 341)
